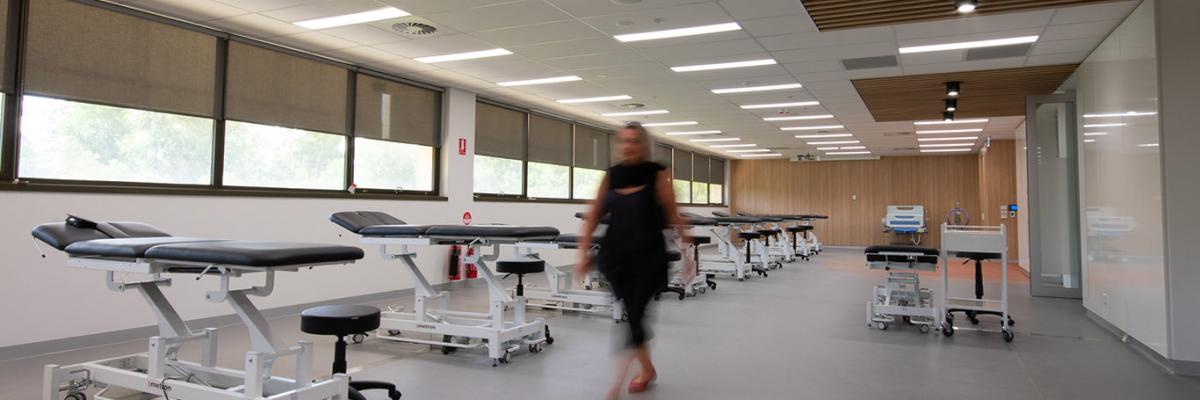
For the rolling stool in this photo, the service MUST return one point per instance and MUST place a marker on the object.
(672, 257)
(696, 241)
(795, 231)
(342, 320)
(520, 267)
(978, 258)
(747, 237)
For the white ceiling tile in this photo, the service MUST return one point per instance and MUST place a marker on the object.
(735, 73)
(539, 33)
(508, 72)
(749, 9)
(313, 41)
(814, 66)
(592, 8)
(698, 53)
(424, 7)
(780, 25)
(1066, 46)
(400, 66)
(874, 73)
(970, 37)
(827, 39)
(321, 9)
(593, 60)
(836, 52)
(365, 34)
(265, 5)
(361, 55)
(1081, 30)
(975, 24)
(1057, 58)
(501, 15)
(256, 26)
(438, 45)
(933, 57)
(571, 48)
(190, 10)
(1116, 10)
(657, 19)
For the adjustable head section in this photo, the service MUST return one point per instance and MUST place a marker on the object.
(721, 214)
(75, 229)
(355, 221)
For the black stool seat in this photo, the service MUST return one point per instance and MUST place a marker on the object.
(520, 266)
(339, 319)
(769, 232)
(798, 229)
(748, 235)
(977, 256)
(698, 240)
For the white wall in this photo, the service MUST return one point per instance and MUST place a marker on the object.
(1121, 180)
(54, 302)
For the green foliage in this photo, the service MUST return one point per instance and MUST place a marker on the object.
(271, 156)
(388, 165)
(496, 175)
(549, 181)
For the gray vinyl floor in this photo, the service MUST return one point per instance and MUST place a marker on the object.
(798, 334)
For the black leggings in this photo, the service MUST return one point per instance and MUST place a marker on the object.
(635, 284)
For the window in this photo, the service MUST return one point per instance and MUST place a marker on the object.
(699, 193)
(380, 164)
(587, 183)
(278, 157)
(700, 175)
(495, 175)
(549, 155)
(683, 191)
(549, 181)
(593, 150)
(716, 179)
(63, 139)
(681, 167)
(715, 194)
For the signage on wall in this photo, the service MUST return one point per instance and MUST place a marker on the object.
(467, 218)
(462, 146)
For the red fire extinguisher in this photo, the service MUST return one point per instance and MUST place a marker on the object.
(472, 273)
(455, 261)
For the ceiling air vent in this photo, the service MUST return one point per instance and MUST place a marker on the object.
(987, 53)
(869, 62)
(897, 133)
(415, 28)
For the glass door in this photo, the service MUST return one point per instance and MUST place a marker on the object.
(1053, 166)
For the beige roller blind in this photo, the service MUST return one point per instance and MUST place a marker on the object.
(614, 154)
(682, 166)
(3, 46)
(718, 171)
(662, 155)
(499, 132)
(274, 88)
(700, 168)
(549, 140)
(591, 148)
(395, 111)
(87, 53)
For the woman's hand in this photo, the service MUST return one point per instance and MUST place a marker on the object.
(584, 265)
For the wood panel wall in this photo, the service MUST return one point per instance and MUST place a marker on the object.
(998, 187)
(855, 194)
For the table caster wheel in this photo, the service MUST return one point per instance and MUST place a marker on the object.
(881, 325)
(550, 339)
(924, 328)
(948, 328)
(741, 279)
(75, 396)
(393, 332)
(358, 338)
(1008, 336)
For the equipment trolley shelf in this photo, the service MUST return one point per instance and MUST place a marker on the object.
(978, 242)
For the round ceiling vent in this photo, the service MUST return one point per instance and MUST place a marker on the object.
(414, 29)
(631, 106)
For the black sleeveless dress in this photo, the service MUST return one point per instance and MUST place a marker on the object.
(633, 254)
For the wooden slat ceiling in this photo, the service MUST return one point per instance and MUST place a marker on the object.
(846, 14)
(989, 93)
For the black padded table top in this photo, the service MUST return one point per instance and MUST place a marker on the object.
(252, 253)
(574, 238)
(402, 230)
(914, 254)
(126, 247)
(902, 249)
(355, 221)
(763, 217)
(699, 221)
(493, 231)
(60, 235)
(737, 220)
(812, 216)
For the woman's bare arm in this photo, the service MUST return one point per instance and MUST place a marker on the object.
(590, 220)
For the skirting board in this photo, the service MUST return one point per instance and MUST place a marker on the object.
(106, 338)
(1178, 367)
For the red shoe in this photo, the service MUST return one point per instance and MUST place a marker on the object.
(636, 386)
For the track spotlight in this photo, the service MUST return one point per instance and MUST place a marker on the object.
(947, 116)
(952, 89)
(951, 105)
(965, 6)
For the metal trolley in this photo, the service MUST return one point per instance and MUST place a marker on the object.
(975, 239)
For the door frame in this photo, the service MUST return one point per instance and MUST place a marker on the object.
(1036, 287)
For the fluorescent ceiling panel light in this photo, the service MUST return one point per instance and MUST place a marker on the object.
(846, 153)
(853, 147)
(681, 32)
(724, 139)
(630, 113)
(1104, 125)
(972, 144)
(470, 55)
(944, 150)
(968, 45)
(677, 123)
(748, 151)
(735, 64)
(827, 148)
(950, 131)
(780, 105)
(798, 117)
(832, 142)
(1089, 140)
(957, 121)
(729, 146)
(1124, 114)
(830, 135)
(765, 88)
(762, 155)
(1095, 133)
(542, 81)
(1148, 145)
(352, 19)
(811, 128)
(692, 133)
(946, 139)
(595, 99)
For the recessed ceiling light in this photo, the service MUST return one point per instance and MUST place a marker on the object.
(677, 123)
(692, 133)
(470, 55)
(1095, 133)
(672, 33)
(1124, 114)
(541, 81)
(352, 19)
(832, 142)
(631, 113)
(968, 45)
(846, 153)
(946, 139)
(951, 105)
(950, 131)
(727, 65)
(1104, 125)
(952, 90)
(811, 128)
(762, 155)
(748, 151)
(724, 139)
(798, 118)
(947, 116)
(957, 121)
(945, 150)
(965, 6)
(727, 146)
(780, 105)
(822, 136)
(757, 88)
(946, 144)
(595, 99)
(1148, 145)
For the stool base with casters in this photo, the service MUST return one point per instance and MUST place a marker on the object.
(672, 257)
(973, 315)
(342, 321)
